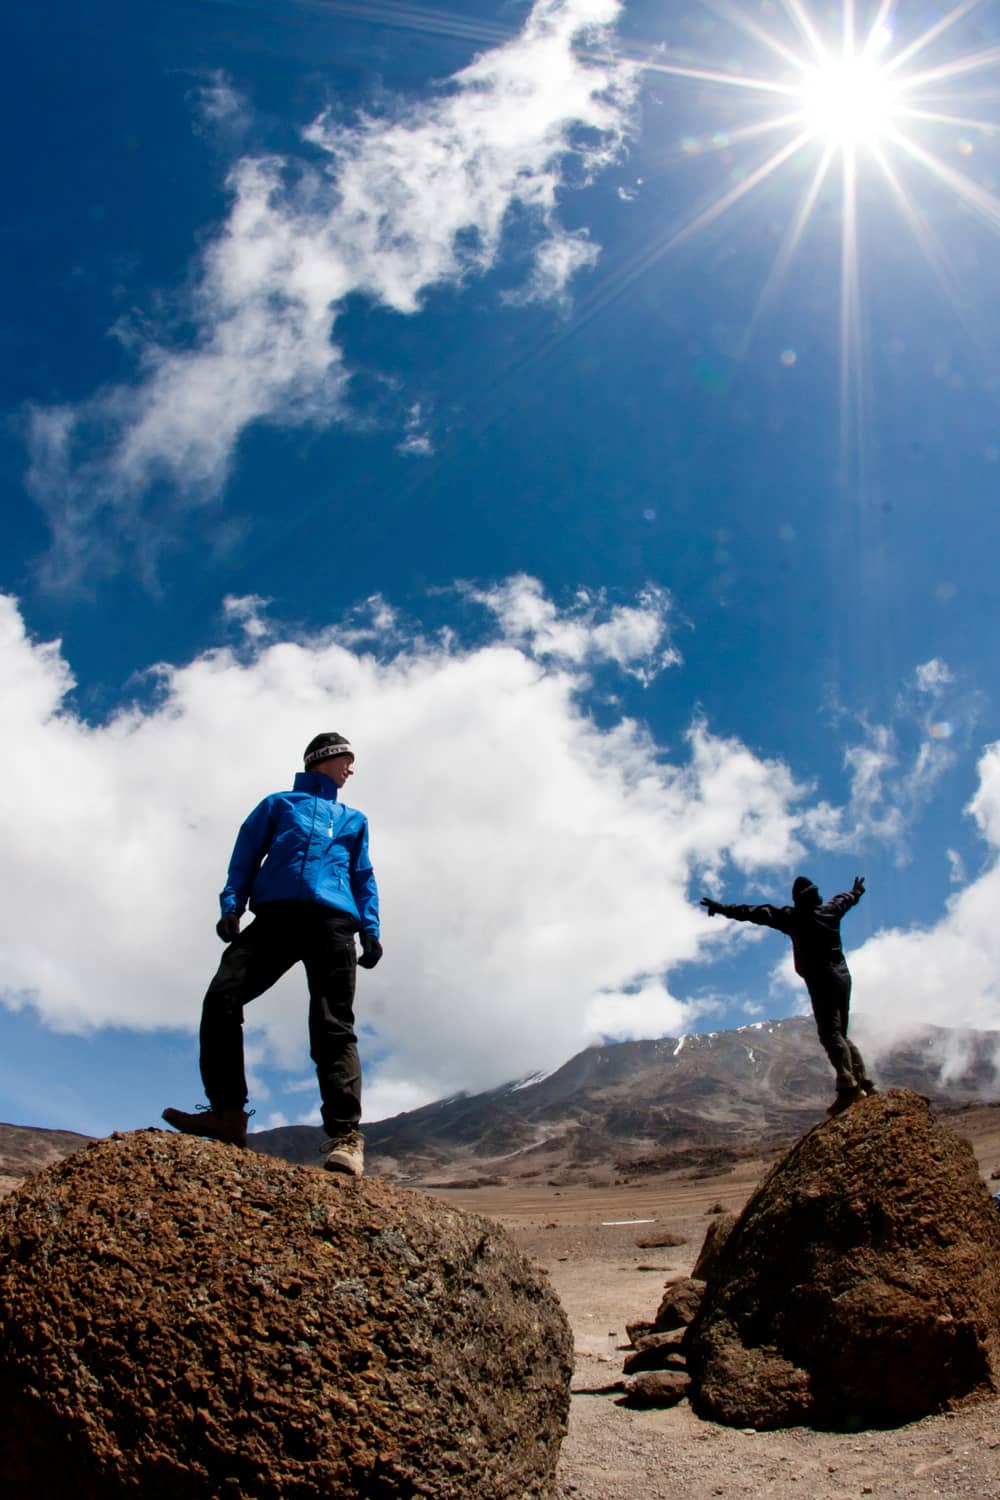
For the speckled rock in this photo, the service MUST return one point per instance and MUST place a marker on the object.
(860, 1286)
(680, 1302)
(654, 1357)
(180, 1319)
(656, 1388)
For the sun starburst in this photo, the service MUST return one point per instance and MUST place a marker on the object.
(852, 94)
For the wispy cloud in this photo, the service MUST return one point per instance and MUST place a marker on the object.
(894, 767)
(416, 440)
(220, 109)
(635, 637)
(397, 203)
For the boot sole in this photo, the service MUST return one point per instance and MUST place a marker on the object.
(203, 1135)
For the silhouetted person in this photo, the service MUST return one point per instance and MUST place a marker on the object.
(814, 928)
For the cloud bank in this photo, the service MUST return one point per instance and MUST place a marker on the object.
(533, 866)
(386, 207)
(539, 873)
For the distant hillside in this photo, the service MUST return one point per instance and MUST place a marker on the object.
(637, 1107)
(25, 1149)
(694, 1104)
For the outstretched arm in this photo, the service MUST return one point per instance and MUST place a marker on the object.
(763, 916)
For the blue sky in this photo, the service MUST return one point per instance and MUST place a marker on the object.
(577, 404)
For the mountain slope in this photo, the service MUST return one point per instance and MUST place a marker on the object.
(634, 1107)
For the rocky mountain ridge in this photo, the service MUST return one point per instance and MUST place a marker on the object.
(622, 1110)
(631, 1108)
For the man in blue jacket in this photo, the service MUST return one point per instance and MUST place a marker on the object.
(301, 864)
(814, 928)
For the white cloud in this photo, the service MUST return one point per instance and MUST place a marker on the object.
(894, 768)
(533, 866)
(220, 107)
(556, 261)
(933, 675)
(247, 611)
(416, 441)
(635, 638)
(397, 204)
(947, 974)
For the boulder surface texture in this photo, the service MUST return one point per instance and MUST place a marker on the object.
(860, 1287)
(181, 1319)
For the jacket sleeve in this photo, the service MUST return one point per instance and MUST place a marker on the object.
(842, 904)
(363, 887)
(763, 916)
(252, 843)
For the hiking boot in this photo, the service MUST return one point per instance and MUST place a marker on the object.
(845, 1098)
(867, 1087)
(228, 1125)
(345, 1153)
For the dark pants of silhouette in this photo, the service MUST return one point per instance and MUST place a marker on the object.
(284, 933)
(830, 993)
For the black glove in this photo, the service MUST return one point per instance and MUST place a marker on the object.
(371, 951)
(858, 888)
(228, 926)
(712, 907)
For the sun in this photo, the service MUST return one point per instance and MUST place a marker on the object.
(849, 101)
(825, 100)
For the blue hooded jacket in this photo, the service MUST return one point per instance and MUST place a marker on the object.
(304, 845)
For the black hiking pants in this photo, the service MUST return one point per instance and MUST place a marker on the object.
(284, 933)
(830, 993)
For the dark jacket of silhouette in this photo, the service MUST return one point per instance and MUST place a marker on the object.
(814, 931)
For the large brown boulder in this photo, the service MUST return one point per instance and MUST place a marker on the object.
(183, 1319)
(861, 1284)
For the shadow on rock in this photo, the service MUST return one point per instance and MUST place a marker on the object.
(860, 1287)
(181, 1318)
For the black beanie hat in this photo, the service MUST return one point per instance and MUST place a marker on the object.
(801, 886)
(325, 747)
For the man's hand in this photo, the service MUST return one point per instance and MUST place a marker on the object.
(371, 951)
(712, 907)
(228, 927)
(858, 888)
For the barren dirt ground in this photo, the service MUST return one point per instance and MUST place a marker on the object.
(604, 1280)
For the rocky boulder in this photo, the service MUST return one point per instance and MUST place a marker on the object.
(182, 1318)
(679, 1304)
(716, 1236)
(860, 1287)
